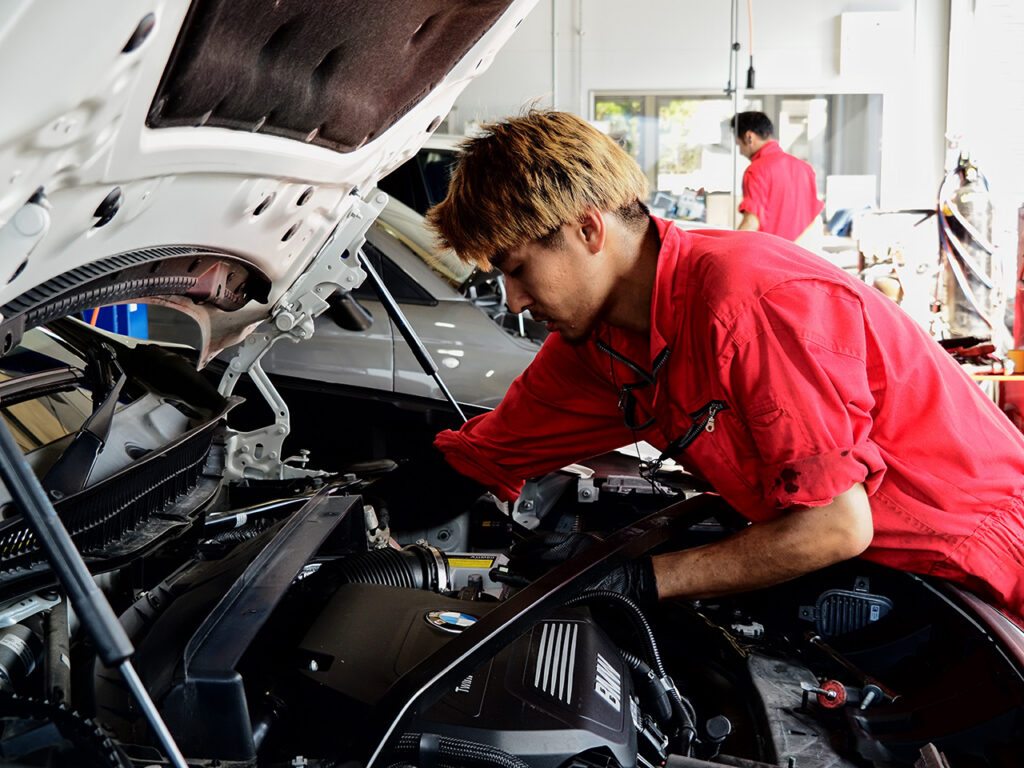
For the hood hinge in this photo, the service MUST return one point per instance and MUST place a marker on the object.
(258, 454)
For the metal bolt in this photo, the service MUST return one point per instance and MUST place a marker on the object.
(313, 666)
(821, 691)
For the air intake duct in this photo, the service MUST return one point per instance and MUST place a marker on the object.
(417, 566)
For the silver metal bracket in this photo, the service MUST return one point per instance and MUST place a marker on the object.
(586, 491)
(626, 484)
(258, 454)
(18, 611)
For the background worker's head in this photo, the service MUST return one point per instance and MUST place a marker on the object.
(525, 177)
(753, 131)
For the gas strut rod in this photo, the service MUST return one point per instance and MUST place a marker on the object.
(420, 352)
(112, 643)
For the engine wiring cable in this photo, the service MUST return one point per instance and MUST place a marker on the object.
(684, 711)
(450, 752)
(636, 615)
(679, 706)
(606, 344)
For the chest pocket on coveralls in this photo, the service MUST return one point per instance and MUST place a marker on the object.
(721, 457)
(704, 421)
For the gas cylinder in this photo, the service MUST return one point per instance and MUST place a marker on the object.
(973, 279)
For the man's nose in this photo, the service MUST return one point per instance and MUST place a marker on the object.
(516, 298)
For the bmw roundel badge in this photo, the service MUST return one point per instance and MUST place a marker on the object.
(450, 621)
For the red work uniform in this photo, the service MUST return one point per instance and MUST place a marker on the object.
(781, 191)
(822, 383)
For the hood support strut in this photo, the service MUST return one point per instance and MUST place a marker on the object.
(398, 318)
(112, 643)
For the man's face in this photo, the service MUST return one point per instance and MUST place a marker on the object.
(563, 286)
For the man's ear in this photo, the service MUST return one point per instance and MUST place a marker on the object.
(592, 230)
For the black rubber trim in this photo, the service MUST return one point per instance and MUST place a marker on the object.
(205, 275)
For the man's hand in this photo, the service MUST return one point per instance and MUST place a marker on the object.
(801, 540)
(532, 558)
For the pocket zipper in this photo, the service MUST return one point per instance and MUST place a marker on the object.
(703, 421)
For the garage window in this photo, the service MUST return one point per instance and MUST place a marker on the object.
(684, 141)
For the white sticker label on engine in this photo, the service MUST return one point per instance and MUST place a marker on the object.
(608, 684)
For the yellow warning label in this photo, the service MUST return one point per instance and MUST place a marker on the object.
(470, 562)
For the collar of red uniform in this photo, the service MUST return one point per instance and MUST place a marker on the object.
(664, 316)
(770, 148)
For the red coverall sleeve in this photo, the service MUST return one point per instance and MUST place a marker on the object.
(560, 410)
(799, 379)
(754, 194)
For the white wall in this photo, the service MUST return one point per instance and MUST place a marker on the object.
(566, 49)
(986, 104)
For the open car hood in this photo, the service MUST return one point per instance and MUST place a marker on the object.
(213, 155)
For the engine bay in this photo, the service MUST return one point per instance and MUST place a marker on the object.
(284, 623)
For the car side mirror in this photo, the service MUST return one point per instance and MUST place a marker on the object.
(348, 313)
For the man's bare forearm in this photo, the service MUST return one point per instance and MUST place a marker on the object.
(749, 222)
(802, 540)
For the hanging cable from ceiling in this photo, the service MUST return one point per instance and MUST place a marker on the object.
(750, 28)
(734, 92)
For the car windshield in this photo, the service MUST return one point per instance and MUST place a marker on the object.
(37, 407)
(422, 181)
(408, 226)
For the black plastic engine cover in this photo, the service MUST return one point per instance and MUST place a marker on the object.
(559, 690)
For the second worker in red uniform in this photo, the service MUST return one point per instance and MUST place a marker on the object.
(780, 193)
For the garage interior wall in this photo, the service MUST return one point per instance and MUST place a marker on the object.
(566, 50)
(986, 101)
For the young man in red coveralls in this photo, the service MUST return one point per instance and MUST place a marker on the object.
(812, 403)
(780, 195)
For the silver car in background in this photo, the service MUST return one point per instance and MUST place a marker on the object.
(458, 313)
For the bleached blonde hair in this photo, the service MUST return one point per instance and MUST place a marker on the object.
(525, 177)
